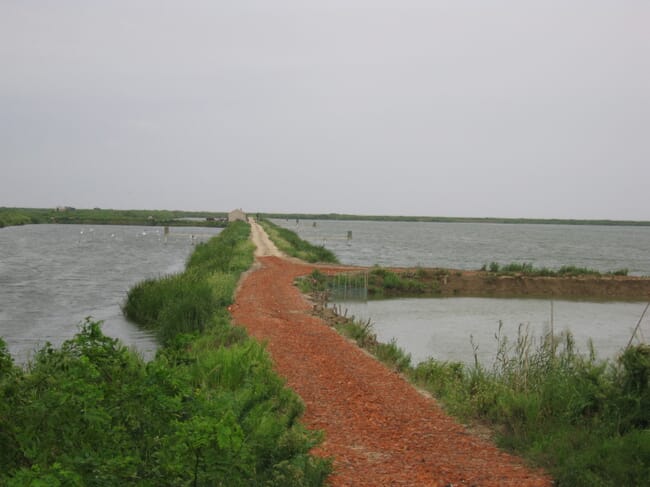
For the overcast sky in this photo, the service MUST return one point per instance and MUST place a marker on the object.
(504, 108)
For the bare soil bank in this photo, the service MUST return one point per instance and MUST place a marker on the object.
(420, 282)
(484, 284)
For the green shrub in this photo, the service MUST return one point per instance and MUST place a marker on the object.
(208, 410)
(393, 356)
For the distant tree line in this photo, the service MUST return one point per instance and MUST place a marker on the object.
(97, 216)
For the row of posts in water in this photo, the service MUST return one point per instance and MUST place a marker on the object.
(314, 224)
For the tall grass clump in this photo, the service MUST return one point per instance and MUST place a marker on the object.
(527, 269)
(291, 244)
(584, 420)
(384, 282)
(186, 302)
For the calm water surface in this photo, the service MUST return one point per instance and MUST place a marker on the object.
(442, 327)
(471, 245)
(53, 276)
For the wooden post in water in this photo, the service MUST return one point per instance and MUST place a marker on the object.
(552, 330)
(349, 234)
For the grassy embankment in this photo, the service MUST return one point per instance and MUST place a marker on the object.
(26, 216)
(289, 243)
(208, 410)
(584, 420)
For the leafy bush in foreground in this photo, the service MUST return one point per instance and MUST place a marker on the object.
(208, 410)
(93, 413)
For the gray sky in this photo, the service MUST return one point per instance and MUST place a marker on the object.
(511, 108)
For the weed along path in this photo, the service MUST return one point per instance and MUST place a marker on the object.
(378, 428)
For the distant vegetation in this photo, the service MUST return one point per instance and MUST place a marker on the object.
(586, 421)
(289, 243)
(528, 269)
(25, 216)
(22, 216)
(208, 410)
(443, 219)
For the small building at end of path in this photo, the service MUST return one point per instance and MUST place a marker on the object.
(237, 215)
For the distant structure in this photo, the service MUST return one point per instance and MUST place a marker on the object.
(237, 215)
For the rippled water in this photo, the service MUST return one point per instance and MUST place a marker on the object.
(471, 245)
(442, 327)
(53, 276)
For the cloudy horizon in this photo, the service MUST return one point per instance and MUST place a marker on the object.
(464, 109)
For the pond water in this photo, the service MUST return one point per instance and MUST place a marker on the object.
(442, 327)
(53, 276)
(472, 245)
(445, 328)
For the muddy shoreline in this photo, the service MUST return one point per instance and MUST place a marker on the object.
(483, 284)
(439, 282)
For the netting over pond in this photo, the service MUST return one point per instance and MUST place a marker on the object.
(349, 287)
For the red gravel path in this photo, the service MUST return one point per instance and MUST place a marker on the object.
(378, 428)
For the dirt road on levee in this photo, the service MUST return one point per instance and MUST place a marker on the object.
(378, 428)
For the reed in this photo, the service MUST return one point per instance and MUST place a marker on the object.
(528, 269)
(585, 420)
(562, 410)
(187, 302)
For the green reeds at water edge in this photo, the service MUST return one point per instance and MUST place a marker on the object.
(186, 302)
(586, 421)
(528, 269)
(207, 410)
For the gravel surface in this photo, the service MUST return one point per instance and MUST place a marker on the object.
(378, 428)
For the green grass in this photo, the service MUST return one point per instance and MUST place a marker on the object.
(388, 353)
(187, 302)
(384, 282)
(24, 216)
(586, 421)
(289, 243)
(380, 282)
(208, 410)
(528, 269)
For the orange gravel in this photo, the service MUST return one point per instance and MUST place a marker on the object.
(378, 428)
